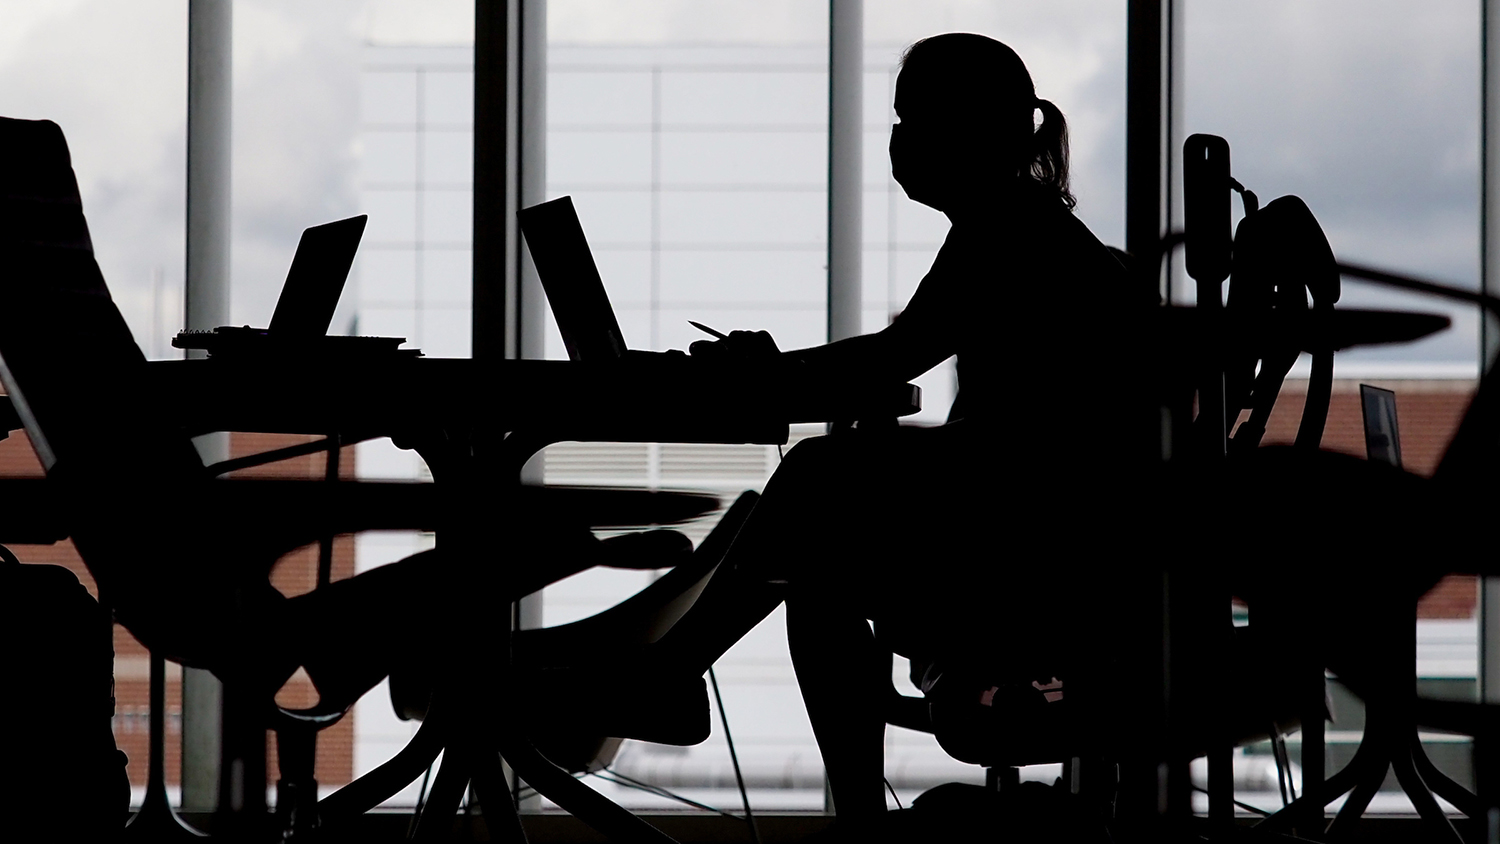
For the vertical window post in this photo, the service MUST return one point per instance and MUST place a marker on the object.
(1489, 328)
(845, 166)
(210, 79)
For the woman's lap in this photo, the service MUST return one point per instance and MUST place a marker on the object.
(929, 533)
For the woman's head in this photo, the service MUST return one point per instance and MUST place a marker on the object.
(968, 109)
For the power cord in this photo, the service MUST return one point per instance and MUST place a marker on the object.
(630, 782)
(1283, 766)
(411, 828)
(892, 790)
(733, 756)
(1246, 806)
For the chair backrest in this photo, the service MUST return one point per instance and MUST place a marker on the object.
(77, 379)
(1281, 257)
(67, 358)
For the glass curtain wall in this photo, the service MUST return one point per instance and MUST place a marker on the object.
(413, 153)
(693, 140)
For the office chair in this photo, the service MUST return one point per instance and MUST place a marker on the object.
(1277, 257)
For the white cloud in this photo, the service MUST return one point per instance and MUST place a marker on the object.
(113, 75)
(296, 117)
(634, 22)
(418, 22)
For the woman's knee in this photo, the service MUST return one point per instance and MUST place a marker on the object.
(829, 458)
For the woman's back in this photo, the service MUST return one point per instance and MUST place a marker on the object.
(1038, 312)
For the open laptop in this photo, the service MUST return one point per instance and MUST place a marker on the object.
(1382, 435)
(571, 280)
(309, 297)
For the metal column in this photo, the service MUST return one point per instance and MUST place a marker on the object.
(1489, 327)
(1489, 347)
(510, 141)
(1155, 785)
(207, 305)
(510, 144)
(532, 167)
(1153, 132)
(845, 166)
(494, 181)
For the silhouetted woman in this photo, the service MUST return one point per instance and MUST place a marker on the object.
(955, 540)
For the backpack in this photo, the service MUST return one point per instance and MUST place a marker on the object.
(60, 770)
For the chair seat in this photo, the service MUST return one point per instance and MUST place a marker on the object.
(1009, 725)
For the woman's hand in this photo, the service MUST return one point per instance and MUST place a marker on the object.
(739, 345)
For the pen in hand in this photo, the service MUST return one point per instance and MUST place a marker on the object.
(709, 331)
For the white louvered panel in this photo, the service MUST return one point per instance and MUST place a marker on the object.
(798, 433)
(706, 464)
(609, 464)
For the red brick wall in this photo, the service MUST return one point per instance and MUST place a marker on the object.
(1428, 413)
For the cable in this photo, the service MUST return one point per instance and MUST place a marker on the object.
(629, 782)
(411, 828)
(1283, 766)
(892, 790)
(1246, 806)
(734, 757)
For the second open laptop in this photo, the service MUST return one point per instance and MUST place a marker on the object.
(571, 281)
(305, 309)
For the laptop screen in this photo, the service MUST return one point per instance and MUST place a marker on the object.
(571, 280)
(1382, 435)
(316, 279)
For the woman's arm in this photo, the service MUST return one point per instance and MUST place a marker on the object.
(921, 337)
(886, 354)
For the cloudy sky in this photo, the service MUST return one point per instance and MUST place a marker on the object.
(1366, 108)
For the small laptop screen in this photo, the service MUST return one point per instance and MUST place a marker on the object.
(316, 279)
(1382, 436)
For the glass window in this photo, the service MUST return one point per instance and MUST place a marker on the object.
(1371, 114)
(693, 139)
(410, 153)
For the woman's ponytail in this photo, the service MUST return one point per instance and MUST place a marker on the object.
(1049, 155)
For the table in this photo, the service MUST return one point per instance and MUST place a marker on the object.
(476, 424)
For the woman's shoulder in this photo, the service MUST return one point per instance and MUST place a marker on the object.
(1045, 233)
